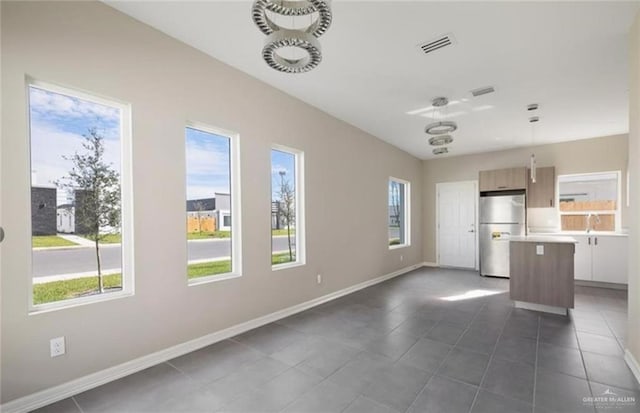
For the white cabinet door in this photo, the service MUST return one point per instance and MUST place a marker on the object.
(582, 258)
(609, 259)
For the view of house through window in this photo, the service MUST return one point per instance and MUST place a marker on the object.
(397, 217)
(209, 231)
(76, 195)
(285, 196)
(589, 201)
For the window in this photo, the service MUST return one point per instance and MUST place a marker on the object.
(398, 216)
(287, 207)
(80, 203)
(589, 201)
(213, 245)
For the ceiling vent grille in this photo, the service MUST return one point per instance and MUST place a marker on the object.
(439, 43)
(483, 91)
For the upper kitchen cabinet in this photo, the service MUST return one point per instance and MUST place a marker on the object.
(542, 193)
(503, 179)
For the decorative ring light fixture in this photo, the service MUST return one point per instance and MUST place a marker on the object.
(440, 127)
(440, 140)
(263, 13)
(290, 38)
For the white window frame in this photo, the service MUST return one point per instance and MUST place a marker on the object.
(617, 211)
(301, 251)
(406, 210)
(236, 223)
(126, 198)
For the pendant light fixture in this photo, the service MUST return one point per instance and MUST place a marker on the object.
(301, 36)
(441, 129)
(532, 161)
(440, 140)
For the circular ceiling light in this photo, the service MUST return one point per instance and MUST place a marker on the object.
(292, 9)
(279, 37)
(440, 140)
(292, 39)
(440, 128)
(440, 151)
(440, 102)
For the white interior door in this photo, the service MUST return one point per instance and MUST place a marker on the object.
(457, 241)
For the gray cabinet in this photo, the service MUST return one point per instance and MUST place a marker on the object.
(542, 193)
(503, 179)
(542, 273)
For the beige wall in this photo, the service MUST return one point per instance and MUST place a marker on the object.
(590, 155)
(94, 48)
(633, 335)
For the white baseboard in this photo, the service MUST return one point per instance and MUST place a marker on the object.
(599, 284)
(68, 389)
(633, 364)
(430, 264)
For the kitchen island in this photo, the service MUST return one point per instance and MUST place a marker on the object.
(541, 272)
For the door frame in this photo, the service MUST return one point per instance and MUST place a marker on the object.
(475, 206)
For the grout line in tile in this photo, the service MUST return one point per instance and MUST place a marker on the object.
(445, 357)
(495, 346)
(535, 365)
(584, 365)
(77, 404)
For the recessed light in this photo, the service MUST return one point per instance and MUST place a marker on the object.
(440, 151)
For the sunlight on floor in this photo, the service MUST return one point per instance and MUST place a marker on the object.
(471, 294)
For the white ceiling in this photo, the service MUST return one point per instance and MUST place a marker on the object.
(569, 57)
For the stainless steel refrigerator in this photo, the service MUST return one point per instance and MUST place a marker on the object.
(502, 215)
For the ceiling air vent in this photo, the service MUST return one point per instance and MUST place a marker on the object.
(482, 91)
(439, 43)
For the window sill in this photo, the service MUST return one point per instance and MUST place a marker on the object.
(285, 266)
(212, 278)
(395, 247)
(77, 302)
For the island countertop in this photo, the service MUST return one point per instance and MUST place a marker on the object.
(544, 238)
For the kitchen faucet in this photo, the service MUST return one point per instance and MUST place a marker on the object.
(589, 221)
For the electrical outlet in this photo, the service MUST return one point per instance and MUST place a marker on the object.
(540, 249)
(319, 278)
(56, 346)
(401, 258)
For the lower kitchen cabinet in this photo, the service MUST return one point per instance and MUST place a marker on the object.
(601, 258)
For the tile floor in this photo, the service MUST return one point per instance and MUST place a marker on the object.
(399, 346)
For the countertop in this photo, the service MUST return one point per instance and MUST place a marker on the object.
(580, 233)
(544, 238)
